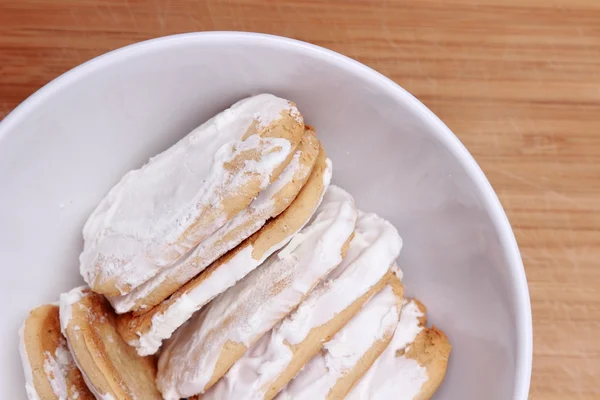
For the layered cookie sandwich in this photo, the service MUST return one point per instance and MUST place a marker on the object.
(147, 331)
(203, 350)
(110, 367)
(268, 204)
(280, 354)
(50, 372)
(332, 373)
(414, 364)
(158, 213)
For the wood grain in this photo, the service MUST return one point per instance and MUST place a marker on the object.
(517, 80)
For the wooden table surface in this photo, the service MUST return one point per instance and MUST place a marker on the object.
(517, 80)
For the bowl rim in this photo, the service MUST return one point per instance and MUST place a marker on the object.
(524, 354)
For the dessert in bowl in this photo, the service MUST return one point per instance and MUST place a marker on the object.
(63, 149)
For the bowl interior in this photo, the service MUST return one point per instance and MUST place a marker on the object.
(67, 145)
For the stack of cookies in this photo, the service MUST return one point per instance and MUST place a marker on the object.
(228, 267)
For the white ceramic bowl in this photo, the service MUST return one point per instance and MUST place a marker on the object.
(63, 148)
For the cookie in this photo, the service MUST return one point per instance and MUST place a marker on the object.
(275, 359)
(50, 372)
(110, 367)
(204, 349)
(157, 213)
(147, 331)
(414, 364)
(271, 202)
(345, 358)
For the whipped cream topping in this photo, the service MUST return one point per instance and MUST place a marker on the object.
(243, 313)
(392, 375)
(224, 277)
(148, 220)
(375, 322)
(244, 224)
(372, 250)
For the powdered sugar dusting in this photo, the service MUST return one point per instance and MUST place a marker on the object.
(271, 113)
(374, 247)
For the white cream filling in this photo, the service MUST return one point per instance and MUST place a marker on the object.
(164, 324)
(210, 249)
(377, 320)
(392, 376)
(373, 249)
(258, 301)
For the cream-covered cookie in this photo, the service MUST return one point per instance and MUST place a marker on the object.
(279, 355)
(147, 331)
(344, 359)
(204, 349)
(157, 213)
(413, 366)
(269, 203)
